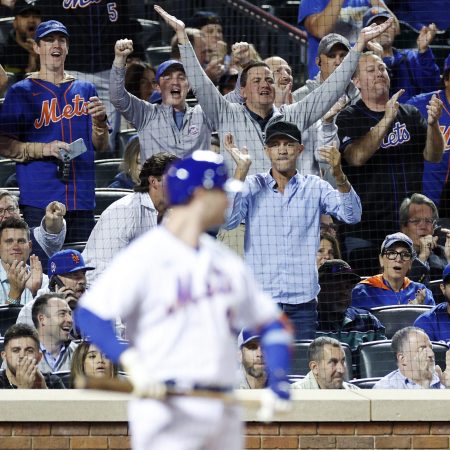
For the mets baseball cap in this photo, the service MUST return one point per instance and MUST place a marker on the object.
(337, 267)
(23, 6)
(66, 261)
(246, 336)
(395, 238)
(166, 65)
(373, 13)
(51, 26)
(446, 273)
(329, 41)
(282, 128)
(202, 169)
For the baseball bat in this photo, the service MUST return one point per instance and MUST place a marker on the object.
(124, 386)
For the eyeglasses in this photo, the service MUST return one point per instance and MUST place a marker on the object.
(9, 210)
(425, 220)
(392, 255)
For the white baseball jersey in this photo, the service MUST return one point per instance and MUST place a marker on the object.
(183, 307)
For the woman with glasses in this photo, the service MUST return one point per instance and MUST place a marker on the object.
(392, 286)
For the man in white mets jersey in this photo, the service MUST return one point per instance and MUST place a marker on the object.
(184, 298)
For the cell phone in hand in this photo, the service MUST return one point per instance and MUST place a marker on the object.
(77, 148)
(55, 282)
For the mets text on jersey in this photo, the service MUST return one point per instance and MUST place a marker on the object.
(49, 114)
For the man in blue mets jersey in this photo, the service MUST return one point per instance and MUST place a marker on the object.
(42, 115)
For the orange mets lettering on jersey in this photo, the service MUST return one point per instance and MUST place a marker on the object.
(49, 114)
(445, 130)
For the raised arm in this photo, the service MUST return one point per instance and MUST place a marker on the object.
(361, 150)
(133, 109)
(435, 144)
(322, 23)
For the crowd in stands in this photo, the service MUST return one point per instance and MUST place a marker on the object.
(346, 179)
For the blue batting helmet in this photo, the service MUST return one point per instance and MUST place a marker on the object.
(203, 168)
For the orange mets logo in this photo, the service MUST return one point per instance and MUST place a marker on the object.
(49, 114)
(75, 258)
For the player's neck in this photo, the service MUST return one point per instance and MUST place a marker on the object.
(51, 76)
(184, 225)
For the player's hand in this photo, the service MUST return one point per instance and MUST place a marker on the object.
(69, 295)
(17, 274)
(376, 48)
(143, 385)
(425, 37)
(371, 32)
(215, 69)
(176, 24)
(34, 282)
(53, 148)
(219, 50)
(26, 372)
(54, 215)
(392, 106)
(240, 53)
(240, 157)
(272, 404)
(330, 155)
(96, 109)
(122, 49)
(427, 244)
(335, 109)
(434, 109)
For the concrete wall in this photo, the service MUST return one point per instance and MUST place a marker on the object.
(44, 420)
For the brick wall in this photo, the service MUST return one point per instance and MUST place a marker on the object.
(97, 436)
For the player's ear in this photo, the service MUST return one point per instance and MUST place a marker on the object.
(36, 48)
(313, 367)
(39, 356)
(158, 89)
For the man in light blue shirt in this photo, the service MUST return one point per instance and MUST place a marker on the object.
(415, 361)
(282, 209)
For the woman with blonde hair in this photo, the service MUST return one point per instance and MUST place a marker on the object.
(130, 168)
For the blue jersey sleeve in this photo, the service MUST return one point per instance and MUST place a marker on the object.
(310, 7)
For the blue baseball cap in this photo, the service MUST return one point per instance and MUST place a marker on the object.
(202, 169)
(166, 65)
(246, 336)
(395, 238)
(446, 273)
(447, 63)
(372, 13)
(66, 261)
(51, 26)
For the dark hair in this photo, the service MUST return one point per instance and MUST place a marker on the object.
(40, 306)
(251, 65)
(78, 359)
(315, 349)
(334, 243)
(401, 337)
(21, 330)
(134, 74)
(16, 224)
(155, 166)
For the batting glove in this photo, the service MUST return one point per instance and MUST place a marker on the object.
(274, 401)
(143, 385)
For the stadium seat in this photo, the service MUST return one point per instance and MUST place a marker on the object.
(7, 168)
(65, 378)
(376, 359)
(105, 171)
(122, 139)
(105, 196)
(8, 316)
(395, 317)
(294, 378)
(74, 246)
(365, 383)
(156, 55)
(149, 32)
(300, 359)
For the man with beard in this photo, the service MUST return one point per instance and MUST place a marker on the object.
(327, 366)
(52, 317)
(415, 361)
(436, 322)
(17, 54)
(22, 356)
(252, 372)
(337, 318)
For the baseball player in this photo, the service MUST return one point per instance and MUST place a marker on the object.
(184, 297)
(40, 116)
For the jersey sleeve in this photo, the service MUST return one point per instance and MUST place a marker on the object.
(308, 8)
(13, 116)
